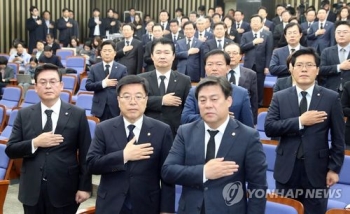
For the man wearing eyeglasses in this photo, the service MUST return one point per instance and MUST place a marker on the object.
(278, 66)
(53, 138)
(168, 89)
(128, 152)
(302, 116)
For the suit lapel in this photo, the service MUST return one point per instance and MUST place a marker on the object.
(113, 72)
(63, 118)
(200, 134)
(154, 83)
(293, 101)
(119, 133)
(36, 114)
(335, 54)
(227, 139)
(315, 98)
(172, 82)
(243, 77)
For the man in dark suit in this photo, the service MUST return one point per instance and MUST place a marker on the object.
(130, 51)
(202, 34)
(243, 77)
(217, 63)
(310, 18)
(257, 45)
(53, 139)
(335, 64)
(174, 35)
(321, 33)
(279, 29)
(219, 41)
(240, 24)
(157, 33)
(96, 24)
(168, 89)
(163, 21)
(302, 116)
(67, 28)
(147, 37)
(268, 25)
(112, 25)
(217, 159)
(189, 54)
(131, 17)
(332, 17)
(49, 25)
(50, 41)
(35, 27)
(102, 79)
(128, 152)
(278, 66)
(278, 19)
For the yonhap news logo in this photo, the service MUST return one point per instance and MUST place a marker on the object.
(232, 193)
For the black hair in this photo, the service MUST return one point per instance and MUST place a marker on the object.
(45, 67)
(108, 42)
(213, 80)
(217, 52)
(290, 25)
(306, 51)
(189, 23)
(132, 79)
(163, 41)
(3, 60)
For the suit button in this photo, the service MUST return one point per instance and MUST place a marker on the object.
(206, 188)
(47, 153)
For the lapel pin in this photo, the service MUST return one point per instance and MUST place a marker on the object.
(174, 80)
(66, 113)
(318, 94)
(148, 134)
(233, 134)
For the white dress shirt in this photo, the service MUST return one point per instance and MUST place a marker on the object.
(347, 50)
(97, 27)
(104, 84)
(137, 129)
(166, 80)
(308, 98)
(295, 49)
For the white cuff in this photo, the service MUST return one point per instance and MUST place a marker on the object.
(33, 148)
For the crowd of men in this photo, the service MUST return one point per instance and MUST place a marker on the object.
(158, 131)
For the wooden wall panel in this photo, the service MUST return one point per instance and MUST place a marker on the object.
(15, 12)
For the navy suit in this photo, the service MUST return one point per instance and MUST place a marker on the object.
(148, 61)
(145, 39)
(190, 65)
(52, 31)
(278, 65)
(142, 178)
(36, 32)
(282, 121)
(283, 83)
(270, 25)
(244, 25)
(132, 59)
(329, 77)
(257, 57)
(185, 162)
(104, 97)
(207, 35)
(320, 42)
(277, 35)
(240, 107)
(276, 20)
(92, 24)
(66, 32)
(212, 45)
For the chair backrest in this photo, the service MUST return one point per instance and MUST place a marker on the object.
(2, 117)
(261, 121)
(69, 83)
(338, 211)
(93, 121)
(64, 54)
(11, 96)
(82, 87)
(4, 162)
(344, 175)
(298, 206)
(89, 210)
(273, 208)
(270, 81)
(76, 62)
(270, 152)
(84, 101)
(30, 98)
(15, 67)
(8, 129)
(5, 55)
(66, 96)
(4, 184)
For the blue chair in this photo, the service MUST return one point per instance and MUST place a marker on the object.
(84, 101)
(93, 121)
(5, 134)
(66, 96)
(5, 55)
(81, 89)
(64, 54)
(270, 81)
(77, 63)
(69, 83)
(30, 98)
(278, 204)
(4, 163)
(11, 97)
(260, 126)
(270, 152)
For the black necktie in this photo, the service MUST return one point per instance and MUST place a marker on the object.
(162, 85)
(107, 70)
(200, 35)
(302, 109)
(255, 35)
(321, 25)
(292, 50)
(131, 132)
(174, 38)
(232, 78)
(150, 37)
(48, 124)
(211, 146)
(219, 44)
(308, 26)
(237, 25)
(163, 26)
(188, 44)
(127, 43)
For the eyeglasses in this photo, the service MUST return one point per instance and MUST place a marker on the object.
(52, 82)
(306, 65)
(128, 98)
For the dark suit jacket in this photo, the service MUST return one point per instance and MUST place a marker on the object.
(248, 80)
(258, 55)
(52, 31)
(171, 115)
(320, 42)
(55, 46)
(270, 25)
(283, 83)
(185, 162)
(282, 121)
(8, 75)
(133, 59)
(141, 178)
(66, 32)
(145, 39)
(66, 172)
(240, 107)
(277, 35)
(190, 65)
(207, 35)
(244, 25)
(147, 57)
(276, 20)
(36, 32)
(332, 17)
(179, 37)
(278, 65)
(328, 74)
(92, 24)
(234, 32)
(112, 29)
(212, 44)
(128, 19)
(345, 101)
(103, 96)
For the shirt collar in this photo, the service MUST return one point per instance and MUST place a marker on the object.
(137, 124)
(222, 39)
(110, 64)
(130, 40)
(309, 91)
(221, 128)
(55, 108)
(347, 48)
(296, 48)
(167, 74)
(237, 69)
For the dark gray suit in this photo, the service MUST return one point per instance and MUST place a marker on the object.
(133, 59)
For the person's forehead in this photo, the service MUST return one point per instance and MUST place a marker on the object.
(216, 58)
(305, 57)
(160, 46)
(232, 48)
